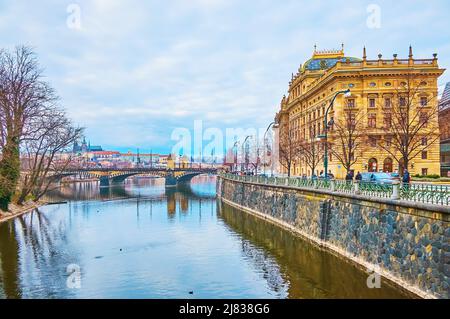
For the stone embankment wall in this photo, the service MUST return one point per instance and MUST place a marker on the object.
(407, 243)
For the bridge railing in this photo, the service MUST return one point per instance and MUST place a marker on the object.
(142, 170)
(422, 193)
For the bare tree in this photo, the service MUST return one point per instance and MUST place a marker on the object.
(46, 154)
(312, 153)
(23, 97)
(31, 121)
(254, 156)
(348, 137)
(289, 150)
(411, 120)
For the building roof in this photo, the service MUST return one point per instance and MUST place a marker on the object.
(95, 148)
(445, 100)
(316, 64)
(106, 153)
(322, 60)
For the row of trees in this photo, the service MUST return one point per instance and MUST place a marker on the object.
(34, 129)
(409, 128)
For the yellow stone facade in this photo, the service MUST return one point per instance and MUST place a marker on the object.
(371, 82)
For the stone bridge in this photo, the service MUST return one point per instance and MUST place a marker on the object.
(113, 176)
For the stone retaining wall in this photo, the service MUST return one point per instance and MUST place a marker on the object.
(408, 244)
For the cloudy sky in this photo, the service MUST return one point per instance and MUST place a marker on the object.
(132, 71)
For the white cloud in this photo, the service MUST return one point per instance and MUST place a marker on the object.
(138, 69)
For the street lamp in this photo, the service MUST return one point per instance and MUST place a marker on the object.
(245, 154)
(235, 164)
(326, 125)
(264, 140)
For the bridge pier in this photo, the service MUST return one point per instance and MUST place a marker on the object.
(171, 181)
(104, 181)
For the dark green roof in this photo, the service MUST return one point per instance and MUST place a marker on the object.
(326, 63)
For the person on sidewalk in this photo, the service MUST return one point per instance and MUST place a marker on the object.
(349, 176)
(406, 179)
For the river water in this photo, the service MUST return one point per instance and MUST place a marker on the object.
(141, 240)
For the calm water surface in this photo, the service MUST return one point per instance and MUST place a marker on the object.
(142, 240)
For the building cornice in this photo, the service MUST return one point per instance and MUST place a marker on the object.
(336, 73)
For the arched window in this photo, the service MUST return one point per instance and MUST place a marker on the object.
(373, 165)
(388, 165)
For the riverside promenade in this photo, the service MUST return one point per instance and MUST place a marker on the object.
(400, 232)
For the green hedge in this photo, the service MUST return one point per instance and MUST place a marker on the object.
(427, 176)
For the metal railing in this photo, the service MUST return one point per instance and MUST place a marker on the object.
(426, 193)
(422, 193)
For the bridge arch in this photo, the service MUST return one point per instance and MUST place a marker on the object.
(109, 176)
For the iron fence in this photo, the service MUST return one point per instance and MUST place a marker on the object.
(423, 193)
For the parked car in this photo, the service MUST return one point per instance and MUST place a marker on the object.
(329, 177)
(379, 178)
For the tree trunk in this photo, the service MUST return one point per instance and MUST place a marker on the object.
(9, 173)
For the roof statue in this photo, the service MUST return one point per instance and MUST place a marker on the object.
(326, 59)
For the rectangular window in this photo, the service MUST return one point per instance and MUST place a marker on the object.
(424, 141)
(387, 120)
(388, 141)
(402, 101)
(372, 103)
(372, 141)
(387, 102)
(351, 122)
(424, 171)
(372, 121)
(424, 155)
(423, 101)
(423, 119)
(351, 102)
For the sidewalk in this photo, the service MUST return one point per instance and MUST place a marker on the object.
(16, 211)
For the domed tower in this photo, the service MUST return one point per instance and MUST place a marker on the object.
(84, 146)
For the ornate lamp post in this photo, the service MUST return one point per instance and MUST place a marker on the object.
(244, 152)
(326, 125)
(235, 163)
(264, 140)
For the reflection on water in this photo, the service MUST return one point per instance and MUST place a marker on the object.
(310, 272)
(142, 240)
